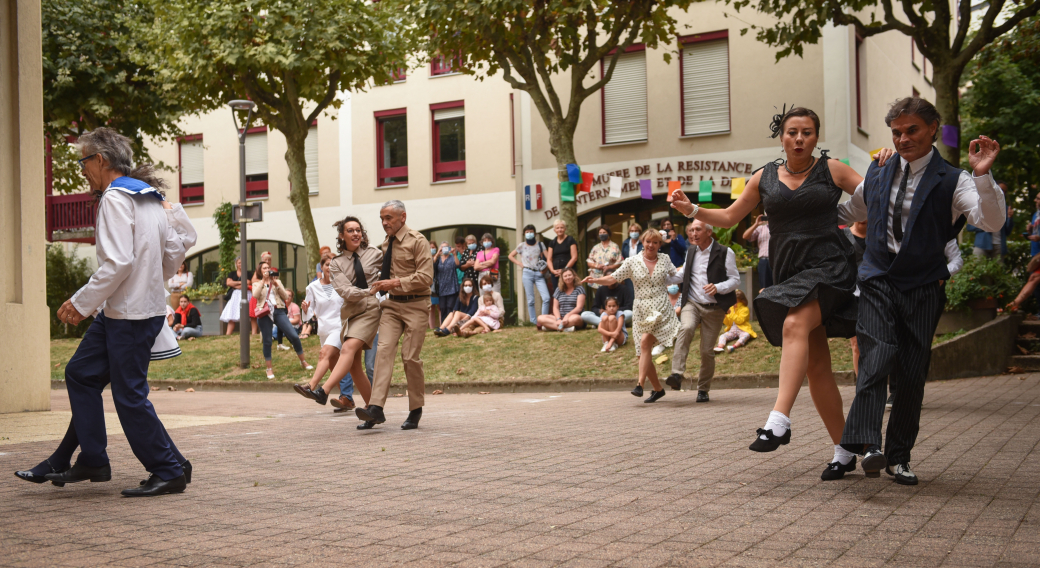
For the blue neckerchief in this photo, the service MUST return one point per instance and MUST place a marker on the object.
(134, 187)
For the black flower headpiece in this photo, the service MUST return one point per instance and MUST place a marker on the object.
(778, 121)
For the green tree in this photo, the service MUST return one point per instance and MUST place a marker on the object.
(290, 58)
(949, 40)
(90, 79)
(530, 42)
(66, 274)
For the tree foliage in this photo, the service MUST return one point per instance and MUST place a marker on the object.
(66, 274)
(290, 58)
(91, 79)
(531, 42)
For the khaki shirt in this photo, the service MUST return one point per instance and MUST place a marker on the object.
(341, 272)
(412, 262)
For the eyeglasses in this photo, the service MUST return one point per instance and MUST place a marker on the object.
(82, 161)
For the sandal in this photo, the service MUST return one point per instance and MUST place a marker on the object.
(270, 374)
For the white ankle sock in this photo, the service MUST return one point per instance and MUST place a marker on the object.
(842, 455)
(778, 423)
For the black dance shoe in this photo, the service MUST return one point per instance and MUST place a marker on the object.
(185, 467)
(674, 380)
(702, 396)
(654, 396)
(767, 442)
(366, 425)
(638, 391)
(305, 391)
(79, 472)
(837, 470)
(34, 478)
(371, 413)
(412, 422)
(156, 486)
(873, 462)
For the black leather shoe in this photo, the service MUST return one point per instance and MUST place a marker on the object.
(654, 396)
(873, 462)
(702, 396)
(304, 390)
(156, 486)
(185, 467)
(767, 442)
(412, 422)
(33, 478)
(638, 391)
(79, 472)
(835, 470)
(674, 380)
(321, 397)
(366, 425)
(903, 474)
(370, 413)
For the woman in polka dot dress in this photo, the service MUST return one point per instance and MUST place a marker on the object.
(653, 319)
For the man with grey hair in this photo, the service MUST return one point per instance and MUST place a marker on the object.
(406, 278)
(710, 278)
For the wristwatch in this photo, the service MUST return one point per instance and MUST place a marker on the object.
(696, 208)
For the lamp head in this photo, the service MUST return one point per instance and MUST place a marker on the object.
(242, 105)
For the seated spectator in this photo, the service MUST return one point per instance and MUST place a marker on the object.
(674, 297)
(487, 285)
(187, 323)
(465, 308)
(292, 310)
(568, 301)
(612, 326)
(624, 293)
(736, 325)
(486, 320)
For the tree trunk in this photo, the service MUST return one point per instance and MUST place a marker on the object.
(299, 196)
(947, 101)
(562, 147)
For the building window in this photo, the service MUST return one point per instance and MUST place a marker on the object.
(624, 98)
(391, 147)
(704, 81)
(256, 163)
(915, 93)
(192, 176)
(310, 153)
(913, 54)
(861, 70)
(449, 141)
(442, 65)
(400, 75)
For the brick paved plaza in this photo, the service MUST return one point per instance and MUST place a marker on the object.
(589, 479)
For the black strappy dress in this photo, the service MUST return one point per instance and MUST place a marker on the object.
(810, 257)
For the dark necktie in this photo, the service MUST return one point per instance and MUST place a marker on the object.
(384, 274)
(359, 273)
(897, 211)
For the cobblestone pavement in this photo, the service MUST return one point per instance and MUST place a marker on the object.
(589, 479)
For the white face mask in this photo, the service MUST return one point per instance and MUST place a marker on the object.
(486, 287)
(467, 289)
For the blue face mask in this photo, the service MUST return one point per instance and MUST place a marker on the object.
(673, 289)
(433, 250)
(445, 250)
(633, 235)
(529, 236)
(487, 244)
(472, 246)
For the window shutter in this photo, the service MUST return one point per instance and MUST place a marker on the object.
(191, 163)
(446, 113)
(624, 100)
(256, 153)
(706, 87)
(310, 152)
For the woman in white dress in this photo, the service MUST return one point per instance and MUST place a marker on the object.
(323, 302)
(230, 314)
(653, 318)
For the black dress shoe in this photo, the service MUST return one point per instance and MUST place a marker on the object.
(33, 478)
(185, 467)
(82, 473)
(370, 413)
(702, 396)
(156, 486)
(412, 422)
(366, 425)
(305, 391)
(873, 462)
(321, 397)
(767, 442)
(903, 474)
(638, 391)
(674, 380)
(654, 396)
(837, 470)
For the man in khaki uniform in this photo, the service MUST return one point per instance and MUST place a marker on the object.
(406, 275)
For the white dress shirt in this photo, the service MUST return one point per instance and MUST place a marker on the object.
(954, 260)
(976, 197)
(699, 275)
(139, 246)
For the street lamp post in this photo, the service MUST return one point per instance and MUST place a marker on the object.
(243, 311)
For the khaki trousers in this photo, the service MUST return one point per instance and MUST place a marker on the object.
(710, 321)
(407, 320)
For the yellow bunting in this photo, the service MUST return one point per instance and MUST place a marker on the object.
(737, 187)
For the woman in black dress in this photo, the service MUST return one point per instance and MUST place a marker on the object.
(814, 274)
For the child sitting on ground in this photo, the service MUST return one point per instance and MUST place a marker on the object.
(737, 325)
(486, 318)
(612, 326)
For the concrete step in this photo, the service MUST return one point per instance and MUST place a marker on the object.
(1032, 344)
(1029, 326)
(1027, 362)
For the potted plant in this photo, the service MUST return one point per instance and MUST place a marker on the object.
(207, 298)
(974, 294)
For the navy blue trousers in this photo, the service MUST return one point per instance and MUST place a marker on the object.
(118, 352)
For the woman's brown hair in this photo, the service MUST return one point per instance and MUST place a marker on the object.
(463, 297)
(341, 245)
(259, 274)
(779, 120)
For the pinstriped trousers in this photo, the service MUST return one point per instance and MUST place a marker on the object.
(894, 331)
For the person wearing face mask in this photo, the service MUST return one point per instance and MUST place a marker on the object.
(674, 298)
(486, 285)
(532, 260)
(444, 266)
(468, 259)
(605, 257)
(487, 260)
(633, 244)
(466, 306)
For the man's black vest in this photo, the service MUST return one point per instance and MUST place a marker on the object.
(716, 273)
(921, 259)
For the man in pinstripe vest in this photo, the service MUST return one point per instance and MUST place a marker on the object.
(913, 206)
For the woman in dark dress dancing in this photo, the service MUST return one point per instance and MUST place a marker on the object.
(814, 274)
